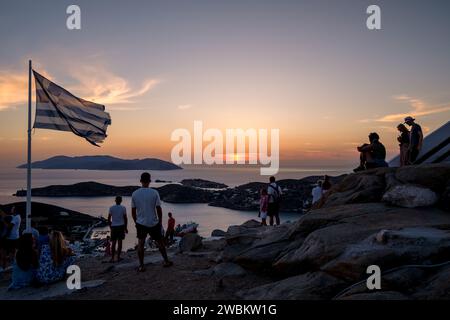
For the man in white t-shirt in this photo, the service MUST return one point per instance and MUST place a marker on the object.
(147, 215)
(12, 236)
(274, 192)
(117, 219)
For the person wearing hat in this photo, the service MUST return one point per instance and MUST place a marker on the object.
(415, 139)
(372, 155)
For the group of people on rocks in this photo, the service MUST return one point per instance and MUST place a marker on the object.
(373, 154)
(269, 204)
(320, 189)
(147, 216)
(37, 256)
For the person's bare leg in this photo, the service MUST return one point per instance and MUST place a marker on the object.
(140, 252)
(119, 249)
(113, 249)
(162, 248)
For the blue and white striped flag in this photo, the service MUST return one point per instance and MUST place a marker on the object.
(58, 109)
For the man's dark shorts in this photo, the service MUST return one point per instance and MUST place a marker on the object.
(117, 233)
(273, 209)
(154, 232)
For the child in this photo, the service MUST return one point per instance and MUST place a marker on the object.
(170, 228)
(263, 205)
(108, 246)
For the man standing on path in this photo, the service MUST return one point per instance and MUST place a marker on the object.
(415, 139)
(274, 192)
(117, 219)
(147, 215)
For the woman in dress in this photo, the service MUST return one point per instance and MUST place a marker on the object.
(54, 259)
(403, 139)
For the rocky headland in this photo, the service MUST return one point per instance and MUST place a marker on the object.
(296, 192)
(204, 184)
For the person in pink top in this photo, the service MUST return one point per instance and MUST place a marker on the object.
(263, 206)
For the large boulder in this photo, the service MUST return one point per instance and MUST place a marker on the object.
(325, 234)
(410, 196)
(362, 187)
(436, 287)
(445, 198)
(228, 269)
(308, 286)
(190, 242)
(369, 186)
(242, 235)
(260, 258)
(391, 248)
(377, 295)
(218, 233)
(255, 246)
(433, 176)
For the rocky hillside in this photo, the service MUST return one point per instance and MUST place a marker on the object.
(397, 219)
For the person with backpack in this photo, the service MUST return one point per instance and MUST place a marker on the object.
(274, 192)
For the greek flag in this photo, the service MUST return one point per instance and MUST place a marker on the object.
(58, 109)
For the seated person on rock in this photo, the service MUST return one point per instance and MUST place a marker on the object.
(372, 155)
(25, 263)
(54, 260)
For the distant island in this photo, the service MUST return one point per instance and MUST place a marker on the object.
(102, 163)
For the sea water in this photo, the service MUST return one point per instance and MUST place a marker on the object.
(208, 218)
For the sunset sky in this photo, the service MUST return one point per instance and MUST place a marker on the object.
(309, 68)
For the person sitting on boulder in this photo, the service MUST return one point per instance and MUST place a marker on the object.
(372, 155)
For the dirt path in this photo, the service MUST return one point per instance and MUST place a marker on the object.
(180, 281)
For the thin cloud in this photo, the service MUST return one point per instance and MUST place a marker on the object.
(418, 108)
(102, 86)
(93, 83)
(184, 107)
(13, 89)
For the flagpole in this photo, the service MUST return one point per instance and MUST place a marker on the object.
(28, 210)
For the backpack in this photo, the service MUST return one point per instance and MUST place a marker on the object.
(277, 196)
